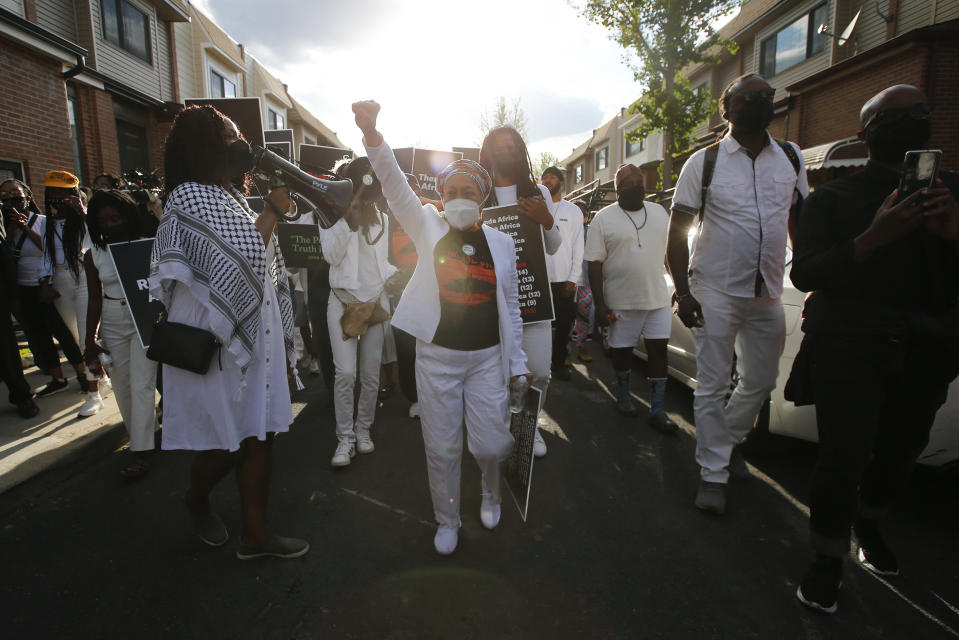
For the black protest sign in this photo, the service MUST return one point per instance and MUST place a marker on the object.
(244, 112)
(280, 135)
(300, 244)
(535, 295)
(519, 465)
(427, 164)
(317, 159)
(282, 149)
(132, 262)
(404, 158)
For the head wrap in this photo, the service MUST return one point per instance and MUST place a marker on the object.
(472, 170)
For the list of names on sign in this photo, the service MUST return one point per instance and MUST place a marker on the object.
(535, 295)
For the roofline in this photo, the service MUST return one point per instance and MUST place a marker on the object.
(40, 33)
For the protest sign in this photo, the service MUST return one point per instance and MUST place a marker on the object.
(300, 244)
(535, 295)
(316, 159)
(282, 149)
(519, 466)
(132, 262)
(427, 164)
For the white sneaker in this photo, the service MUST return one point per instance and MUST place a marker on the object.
(539, 445)
(104, 384)
(92, 405)
(445, 540)
(364, 444)
(489, 512)
(415, 410)
(344, 451)
(314, 368)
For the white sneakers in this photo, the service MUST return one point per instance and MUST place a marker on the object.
(314, 368)
(364, 444)
(344, 452)
(539, 445)
(92, 405)
(489, 512)
(415, 410)
(445, 540)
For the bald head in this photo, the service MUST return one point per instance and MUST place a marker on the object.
(628, 175)
(898, 96)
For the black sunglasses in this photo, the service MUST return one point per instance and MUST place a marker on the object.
(918, 111)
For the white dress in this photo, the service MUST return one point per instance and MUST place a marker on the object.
(215, 411)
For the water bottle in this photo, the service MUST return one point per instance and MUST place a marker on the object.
(517, 395)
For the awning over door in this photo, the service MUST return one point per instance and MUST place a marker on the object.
(848, 152)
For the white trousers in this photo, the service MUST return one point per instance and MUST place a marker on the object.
(538, 345)
(72, 303)
(370, 348)
(134, 375)
(454, 386)
(753, 328)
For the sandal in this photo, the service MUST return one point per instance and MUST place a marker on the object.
(136, 469)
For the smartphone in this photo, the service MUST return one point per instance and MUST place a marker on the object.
(919, 171)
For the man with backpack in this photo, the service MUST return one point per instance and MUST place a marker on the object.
(742, 192)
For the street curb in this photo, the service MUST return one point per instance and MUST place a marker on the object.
(56, 466)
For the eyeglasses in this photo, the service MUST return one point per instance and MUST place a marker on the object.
(917, 111)
(760, 94)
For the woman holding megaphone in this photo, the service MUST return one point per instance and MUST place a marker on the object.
(462, 306)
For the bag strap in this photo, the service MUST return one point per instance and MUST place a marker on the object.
(709, 166)
(23, 238)
(790, 152)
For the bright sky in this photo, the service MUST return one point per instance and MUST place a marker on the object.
(435, 66)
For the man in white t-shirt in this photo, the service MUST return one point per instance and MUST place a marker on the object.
(565, 268)
(626, 251)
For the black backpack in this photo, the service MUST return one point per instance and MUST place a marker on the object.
(709, 165)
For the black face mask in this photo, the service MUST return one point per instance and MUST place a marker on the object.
(631, 199)
(239, 159)
(754, 116)
(888, 143)
(20, 204)
(511, 164)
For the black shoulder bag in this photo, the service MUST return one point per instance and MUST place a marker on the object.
(182, 346)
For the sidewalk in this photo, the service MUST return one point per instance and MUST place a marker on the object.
(54, 438)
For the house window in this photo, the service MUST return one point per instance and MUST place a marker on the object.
(220, 87)
(578, 174)
(602, 158)
(633, 148)
(793, 44)
(128, 28)
(309, 140)
(276, 120)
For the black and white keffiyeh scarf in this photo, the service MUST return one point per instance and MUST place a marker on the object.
(207, 240)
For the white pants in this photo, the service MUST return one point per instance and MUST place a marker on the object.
(754, 328)
(72, 303)
(134, 375)
(454, 386)
(538, 345)
(370, 347)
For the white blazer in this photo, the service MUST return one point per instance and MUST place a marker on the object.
(418, 312)
(341, 249)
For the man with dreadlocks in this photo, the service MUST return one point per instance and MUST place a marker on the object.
(503, 154)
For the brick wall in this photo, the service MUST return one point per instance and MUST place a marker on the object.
(158, 133)
(34, 127)
(98, 132)
(831, 111)
(943, 90)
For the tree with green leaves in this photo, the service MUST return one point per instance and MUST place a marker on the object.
(504, 114)
(665, 36)
(543, 160)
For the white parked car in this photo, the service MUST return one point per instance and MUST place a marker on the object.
(787, 419)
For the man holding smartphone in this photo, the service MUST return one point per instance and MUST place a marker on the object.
(882, 334)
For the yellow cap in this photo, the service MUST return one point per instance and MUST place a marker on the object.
(60, 179)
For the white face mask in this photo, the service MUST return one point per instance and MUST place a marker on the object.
(462, 213)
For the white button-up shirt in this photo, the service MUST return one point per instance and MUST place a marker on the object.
(566, 265)
(745, 225)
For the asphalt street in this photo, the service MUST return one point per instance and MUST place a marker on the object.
(613, 547)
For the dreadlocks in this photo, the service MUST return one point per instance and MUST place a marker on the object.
(74, 230)
(526, 184)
